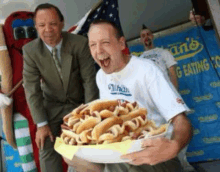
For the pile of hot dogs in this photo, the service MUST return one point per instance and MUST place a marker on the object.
(104, 122)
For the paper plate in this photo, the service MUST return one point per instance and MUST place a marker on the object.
(108, 153)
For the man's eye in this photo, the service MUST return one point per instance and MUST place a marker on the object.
(92, 45)
(105, 42)
(54, 24)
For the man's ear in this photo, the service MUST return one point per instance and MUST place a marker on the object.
(62, 24)
(122, 42)
(152, 35)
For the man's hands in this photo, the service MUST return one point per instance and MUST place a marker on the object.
(156, 151)
(42, 133)
(4, 100)
(200, 20)
(162, 149)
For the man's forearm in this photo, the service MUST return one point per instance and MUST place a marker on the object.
(182, 130)
(173, 76)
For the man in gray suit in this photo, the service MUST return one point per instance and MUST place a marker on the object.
(58, 75)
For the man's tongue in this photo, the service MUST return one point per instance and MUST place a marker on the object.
(105, 62)
(147, 43)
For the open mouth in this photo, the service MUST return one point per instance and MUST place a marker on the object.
(105, 62)
(147, 43)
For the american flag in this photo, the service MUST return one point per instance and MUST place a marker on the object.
(104, 9)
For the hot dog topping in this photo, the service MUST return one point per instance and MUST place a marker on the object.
(111, 108)
(143, 117)
(93, 114)
(134, 104)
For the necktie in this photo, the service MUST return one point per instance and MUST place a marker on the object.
(57, 63)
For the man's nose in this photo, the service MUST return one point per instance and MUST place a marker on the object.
(99, 49)
(48, 27)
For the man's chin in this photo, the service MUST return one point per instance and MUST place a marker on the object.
(148, 46)
(106, 70)
(50, 42)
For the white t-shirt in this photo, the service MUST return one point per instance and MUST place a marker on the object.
(143, 82)
(161, 57)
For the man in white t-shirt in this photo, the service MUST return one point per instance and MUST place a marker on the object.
(134, 79)
(161, 57)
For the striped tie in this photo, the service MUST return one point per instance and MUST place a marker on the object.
(57, 63)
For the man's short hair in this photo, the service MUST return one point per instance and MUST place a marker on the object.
(146, 28)
(118, 31)
(48, 6)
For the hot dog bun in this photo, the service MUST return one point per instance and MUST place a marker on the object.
(104, 126)
(117, 139)
(87, 124)
(102, 105)
(106, 114)
(134, 114)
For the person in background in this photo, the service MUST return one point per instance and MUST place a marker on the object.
(59, 75)
(161, 57)
(200, 20)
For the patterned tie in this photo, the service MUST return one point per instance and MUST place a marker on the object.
(57, 63)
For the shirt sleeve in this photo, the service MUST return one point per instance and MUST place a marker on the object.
(100, 84)
(41, 124)
(168, 58)
(32, 88)
(166, 99)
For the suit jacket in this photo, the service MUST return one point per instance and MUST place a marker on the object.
(48, 97)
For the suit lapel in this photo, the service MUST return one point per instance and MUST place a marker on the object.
(66, 61)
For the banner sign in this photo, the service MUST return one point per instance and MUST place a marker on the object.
(198, 73)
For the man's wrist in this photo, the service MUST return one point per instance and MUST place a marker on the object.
(41, 124)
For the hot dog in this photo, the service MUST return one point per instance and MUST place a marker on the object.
(87, 124)
(102, 105)
(117, 139)
(104, 126)
(109, 121)
(75, 113)
(66, 127)
(134, 114)
(106, 114)
(112, 132)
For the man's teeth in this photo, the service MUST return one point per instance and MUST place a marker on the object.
(103, 58)
(106, 62)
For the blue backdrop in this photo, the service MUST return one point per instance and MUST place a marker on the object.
(11, 158)
(198, 72)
